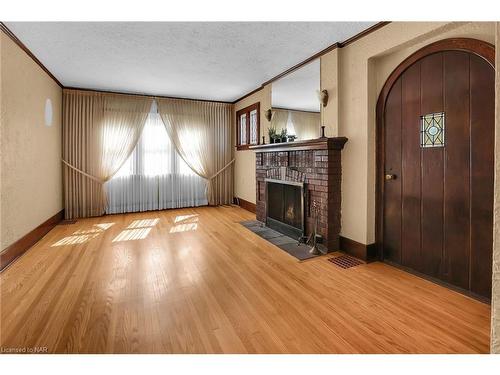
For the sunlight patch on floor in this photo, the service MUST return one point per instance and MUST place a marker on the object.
(143, 223)
(87, 231)
(132, 234)
(137, 230)
(83, 235)
(188, 218)
(188, 227)
(185, 223)
(104, 226)
(75, 240)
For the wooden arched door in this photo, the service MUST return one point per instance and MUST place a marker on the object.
(436, 164)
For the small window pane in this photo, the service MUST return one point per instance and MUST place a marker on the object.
(243, 129)
(253, 127)
(432, 130)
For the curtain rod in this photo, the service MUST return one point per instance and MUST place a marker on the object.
(106, 92)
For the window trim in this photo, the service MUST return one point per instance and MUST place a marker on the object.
(247, 110)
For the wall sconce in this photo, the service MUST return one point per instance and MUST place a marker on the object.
(268, 114)
(323, 97)
(48, 114)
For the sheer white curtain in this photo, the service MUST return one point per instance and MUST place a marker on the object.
(306, 125)
(201, 133)
(279, 119)
(99, 133)
(154, 177)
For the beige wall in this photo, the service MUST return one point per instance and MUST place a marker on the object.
(31, 182)
(329, 73)
(495, 300)
(244, 171)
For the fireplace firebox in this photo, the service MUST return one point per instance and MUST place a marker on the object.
(285, 207)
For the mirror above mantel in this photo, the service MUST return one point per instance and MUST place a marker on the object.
(295, 104)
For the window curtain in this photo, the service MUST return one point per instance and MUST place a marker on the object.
(201, 134)
(306, 124)
(279, 119)
(154, 177)
(99, 133)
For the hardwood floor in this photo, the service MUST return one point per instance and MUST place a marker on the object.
(196, 281)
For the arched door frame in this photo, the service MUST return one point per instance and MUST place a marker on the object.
(480, 48)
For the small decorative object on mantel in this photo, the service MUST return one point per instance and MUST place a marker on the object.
(291, 137)
(323, 131)
(272, 134)
(323, 97)
(283, 135)
(268, 115)
(263, 139)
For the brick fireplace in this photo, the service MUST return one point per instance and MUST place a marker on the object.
(317, 165)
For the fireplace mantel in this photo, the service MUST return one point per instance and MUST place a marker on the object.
(333, 143)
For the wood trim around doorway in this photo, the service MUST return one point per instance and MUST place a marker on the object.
(480, 48)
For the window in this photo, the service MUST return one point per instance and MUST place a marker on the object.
(154, 177)
(248, 126)
(432, 130)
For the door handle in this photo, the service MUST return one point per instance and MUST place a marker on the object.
(390, 177)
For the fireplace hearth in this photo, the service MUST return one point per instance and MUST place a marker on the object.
(290, 177)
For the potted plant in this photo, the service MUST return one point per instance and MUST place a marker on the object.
(272, 134)
(283, 135)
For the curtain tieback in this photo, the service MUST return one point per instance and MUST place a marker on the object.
(84, 173)
(222, 170)
(102, 181)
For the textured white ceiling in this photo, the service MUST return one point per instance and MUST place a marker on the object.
(204, 60)
(298, 90)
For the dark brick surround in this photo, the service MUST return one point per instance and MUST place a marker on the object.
(317, 163)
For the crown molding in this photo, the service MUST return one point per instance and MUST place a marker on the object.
(21, 45)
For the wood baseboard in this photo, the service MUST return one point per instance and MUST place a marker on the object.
(361, 251)
(249, 206)
(18, 248)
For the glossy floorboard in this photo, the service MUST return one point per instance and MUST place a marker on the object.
(196, 281)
